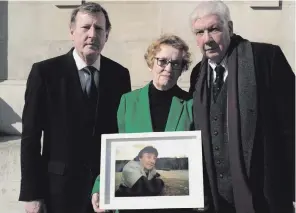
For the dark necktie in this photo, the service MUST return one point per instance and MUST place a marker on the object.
(218, 83)
(90, 86)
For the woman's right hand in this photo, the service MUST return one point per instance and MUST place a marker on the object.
(95, 200)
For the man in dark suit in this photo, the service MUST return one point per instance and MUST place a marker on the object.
(72, 99)
(244, 104)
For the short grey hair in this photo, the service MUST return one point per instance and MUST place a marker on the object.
(215, 7)
(92, 9)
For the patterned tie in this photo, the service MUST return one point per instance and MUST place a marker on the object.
(218, 83)
(90, 86)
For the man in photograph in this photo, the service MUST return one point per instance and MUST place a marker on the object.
(139, 176)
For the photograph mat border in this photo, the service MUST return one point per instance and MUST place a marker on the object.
(195, 199)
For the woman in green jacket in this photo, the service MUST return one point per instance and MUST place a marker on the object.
(159, 106)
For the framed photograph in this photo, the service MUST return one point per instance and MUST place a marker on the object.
(151, 170)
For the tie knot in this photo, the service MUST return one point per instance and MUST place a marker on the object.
(90, 70)
(219, 69)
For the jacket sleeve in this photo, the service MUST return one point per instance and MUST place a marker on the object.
(283, 91)
(32, 169)
(96, 187)
(121, 115)
(127, 85)
(190, 112)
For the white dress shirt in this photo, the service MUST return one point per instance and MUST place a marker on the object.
(80, 64)
(213, 65)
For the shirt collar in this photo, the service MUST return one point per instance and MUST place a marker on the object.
(213, 64)
(80, 64)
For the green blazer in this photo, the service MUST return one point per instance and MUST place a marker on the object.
(133, 115)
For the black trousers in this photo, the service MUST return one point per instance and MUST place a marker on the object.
(70, 193)
(58, 204)
(225, 207)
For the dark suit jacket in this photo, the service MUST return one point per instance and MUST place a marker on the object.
(55, 105)
(270, 155)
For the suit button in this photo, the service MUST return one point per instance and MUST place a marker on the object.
(216, 147)
(221, 175)
(218, 161)
(215, 118)
(215, 133)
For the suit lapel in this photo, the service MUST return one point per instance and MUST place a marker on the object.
(247, 92)
(174, 114)
(143, 110)
(201, 118)
(74, 86)
(103, 79)
(201, 111)
(241, 124)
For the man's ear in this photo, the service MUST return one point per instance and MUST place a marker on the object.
(71, 31)
(107, 36)
(230, 28)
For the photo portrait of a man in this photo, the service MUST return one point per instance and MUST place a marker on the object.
(139, 176)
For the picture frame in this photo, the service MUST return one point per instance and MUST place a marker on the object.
(179, 164)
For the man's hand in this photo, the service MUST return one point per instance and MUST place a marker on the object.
(35, 206)
(95, 200)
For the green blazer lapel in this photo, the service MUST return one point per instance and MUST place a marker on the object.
(174, 114)
(143, 110)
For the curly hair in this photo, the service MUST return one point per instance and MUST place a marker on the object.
(170, 40)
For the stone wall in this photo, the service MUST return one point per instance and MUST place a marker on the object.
(40, 31)
(36, 30)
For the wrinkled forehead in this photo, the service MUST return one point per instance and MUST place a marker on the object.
(87, 17)
(207, 21)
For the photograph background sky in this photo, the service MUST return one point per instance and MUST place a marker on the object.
(129, 150)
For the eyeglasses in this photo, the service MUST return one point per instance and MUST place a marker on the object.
(176, 65)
